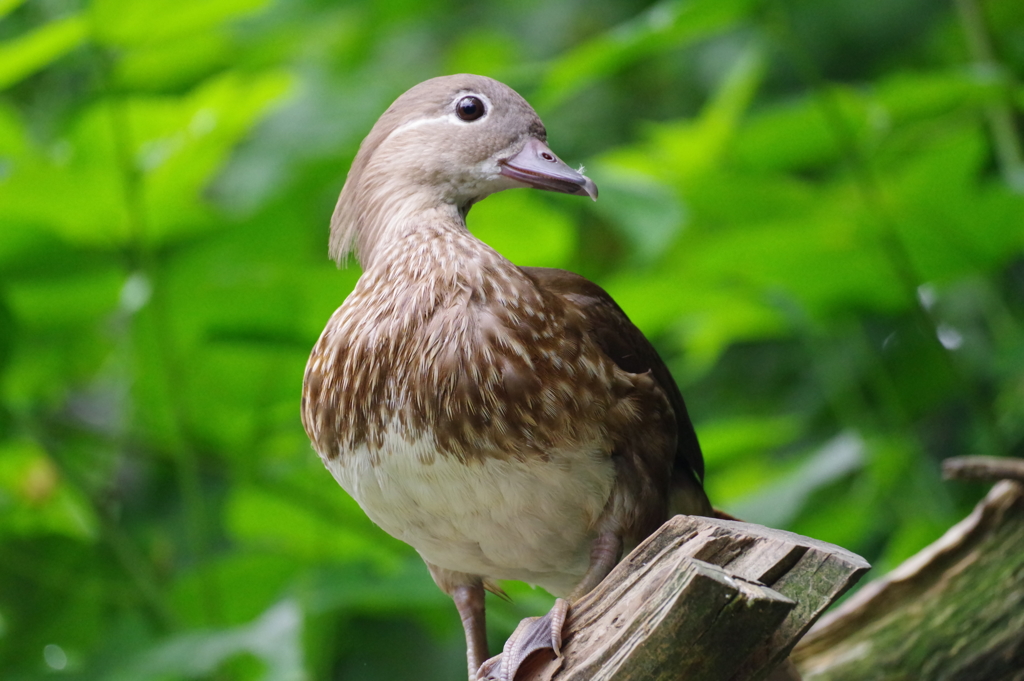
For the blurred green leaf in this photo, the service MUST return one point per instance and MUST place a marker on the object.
(275, 638)
(22, 56)
(679, 151)
(180, 144)
(643, 209)
(946, 230)
(233, 589)
(264, 521)
(172, 64)
(36, 500)
(735, 439)
(525, 229)
(80, 187)
(663, 26)
(7, 335)
(358, 588)
(130, 23)
(689, 149)
(906, 97)
(780, 500)
(8, 6)
(799, 134)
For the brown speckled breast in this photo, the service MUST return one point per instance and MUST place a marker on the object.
(475, 355)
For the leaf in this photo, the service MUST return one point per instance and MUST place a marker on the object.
(727, 316)
(173, 64)
(130, 23)
(640, 207)
(22, 56)
(668, 24)
(241, 583)
(948, 225)
(36, 500)
(799, 134)
(778, 502)
(702, 317)
(728, 440)
(174, 145)
(354, 588)
(181, 144)
(906, 97)
(483, 51)
(7, 336)
(681, 150)
(820, 262)
(268, 522)
(525, 228)
(8, 6)
(275, 638)
(689, 149)
(58, 321)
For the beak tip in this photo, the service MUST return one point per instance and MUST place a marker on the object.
(535, 165)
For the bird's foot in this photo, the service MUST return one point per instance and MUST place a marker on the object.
(533, 634)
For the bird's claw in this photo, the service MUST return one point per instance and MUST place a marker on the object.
(533, 634)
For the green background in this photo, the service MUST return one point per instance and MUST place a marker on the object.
(815, 209)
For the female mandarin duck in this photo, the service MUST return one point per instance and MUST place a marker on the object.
(507, 422)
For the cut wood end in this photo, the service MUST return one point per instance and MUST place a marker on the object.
(704, 598)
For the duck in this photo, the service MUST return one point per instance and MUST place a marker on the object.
(507, 422)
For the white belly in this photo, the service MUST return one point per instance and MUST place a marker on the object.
(525, 520)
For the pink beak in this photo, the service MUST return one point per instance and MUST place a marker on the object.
(537, 166)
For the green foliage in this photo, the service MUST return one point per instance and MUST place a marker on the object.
(815, 209)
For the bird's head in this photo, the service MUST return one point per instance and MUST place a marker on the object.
(446, 143)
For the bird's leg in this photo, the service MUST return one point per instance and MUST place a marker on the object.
(469, 599)
(540, 633)
(604, 554)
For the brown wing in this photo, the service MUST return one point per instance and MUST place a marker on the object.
(627, 346)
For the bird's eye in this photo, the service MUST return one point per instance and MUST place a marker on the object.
(469, 108)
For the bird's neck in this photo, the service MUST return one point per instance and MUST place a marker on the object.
(410, 232)
(376, 212)
(436, 255)
(425, 262)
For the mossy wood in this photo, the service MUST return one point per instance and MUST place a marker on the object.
(953, 611)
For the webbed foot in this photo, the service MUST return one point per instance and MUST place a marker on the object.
(533, 635)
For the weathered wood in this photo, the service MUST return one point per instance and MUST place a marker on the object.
(953, 611)
(620, 638)
(703, 599)
(990, 468)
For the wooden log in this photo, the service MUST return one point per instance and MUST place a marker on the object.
(702, 598)
(953, 611)
(990, 468)
(706, 609)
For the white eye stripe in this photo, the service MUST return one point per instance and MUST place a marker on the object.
(418, 122)
(451, 117)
